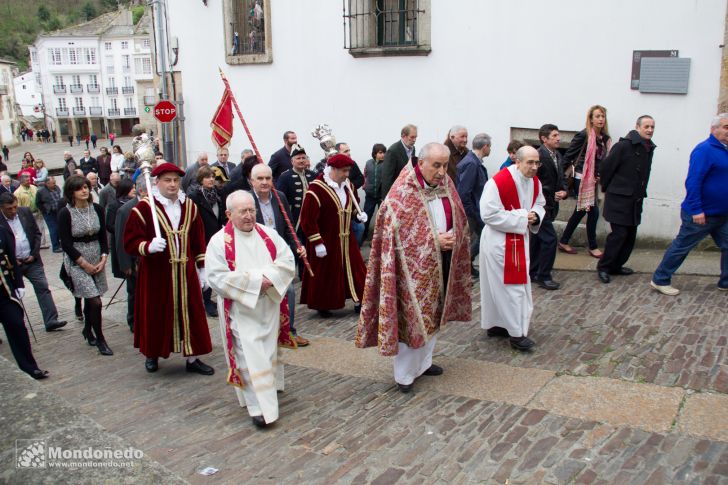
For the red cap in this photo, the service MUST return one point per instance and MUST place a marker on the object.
(340, 161)
(167, 167)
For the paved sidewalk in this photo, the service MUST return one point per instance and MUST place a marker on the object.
(52, 153)
(625, 386)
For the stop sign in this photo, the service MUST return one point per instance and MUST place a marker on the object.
(165, 111)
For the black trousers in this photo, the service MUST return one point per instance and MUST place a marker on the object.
(618, 248)
(11, 316)
(130, 298)
(476, 228)
(543, 251)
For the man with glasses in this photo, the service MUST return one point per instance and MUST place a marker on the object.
(512, 207)
(222, 161)
(543, 243)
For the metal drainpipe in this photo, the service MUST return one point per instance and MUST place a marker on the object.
(168, 144)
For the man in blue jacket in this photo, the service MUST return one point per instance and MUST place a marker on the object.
(472, 176)
(704, 210)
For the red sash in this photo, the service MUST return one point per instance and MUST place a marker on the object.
(284, 333)
(515, 271)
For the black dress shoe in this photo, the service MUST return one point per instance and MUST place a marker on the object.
(548, 284)
(497, 332)
(405, 388)
(56, 326)
(604, 276)
(151, 364)
(434, 370)
(325, 314)
(104, 348)
(39, 374)
(624, 271)
(522, 343)
(357, 308)
(259, 422)
(88, 335)
(199, 367)
(211, 310)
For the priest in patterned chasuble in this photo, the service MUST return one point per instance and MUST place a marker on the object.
(250, 267)
(512, 207)
(418, 277)
(169, 315)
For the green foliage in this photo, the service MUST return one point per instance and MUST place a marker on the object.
(44, 15)
(88, 11)
(137, 13)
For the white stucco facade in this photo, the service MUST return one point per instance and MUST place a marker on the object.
(27, 95)
(494, 66)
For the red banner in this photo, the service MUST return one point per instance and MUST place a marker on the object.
(222, 122)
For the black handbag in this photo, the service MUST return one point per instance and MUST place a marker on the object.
(66, 278)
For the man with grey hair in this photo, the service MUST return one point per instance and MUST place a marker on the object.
(417, 279)
(128, 262)
(471, 178)
(457, 142)
(704, 210)
(250, 267)
(512, 207)
(190, 178)
(7, 185)
(397, 157)
(237, 172)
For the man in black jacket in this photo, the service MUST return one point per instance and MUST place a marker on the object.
(49, 199)
(21, 223)
(88, 164)
(543, 243)
(12, 291)
(270, 214)
(280, 161)
(397, 157)
(624, 176)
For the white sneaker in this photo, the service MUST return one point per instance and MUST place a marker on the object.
(665, 289)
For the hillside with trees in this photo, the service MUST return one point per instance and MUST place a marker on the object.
(21, 22)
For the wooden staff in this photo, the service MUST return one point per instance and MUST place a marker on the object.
(146, 168)
(260, 160)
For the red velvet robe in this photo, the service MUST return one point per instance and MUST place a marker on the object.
(341, 273)
(169, 315)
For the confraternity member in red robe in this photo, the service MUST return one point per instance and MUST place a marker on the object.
(419, 268)
(169, 315)
(326, 216)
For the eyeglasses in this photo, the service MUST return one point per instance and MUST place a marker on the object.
(533, 164)
(245, 211)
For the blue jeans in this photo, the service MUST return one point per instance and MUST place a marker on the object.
(689, 236)
(358, 229)
(51, 221)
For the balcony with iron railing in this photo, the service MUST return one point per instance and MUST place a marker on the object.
(96, 111)
(59, 89)
(114, 111)
(127, 89)
(150, 100)
(76, 88)
(62, 112)
(129, 111)
(79, 111)
(113, 90)
(93, 88)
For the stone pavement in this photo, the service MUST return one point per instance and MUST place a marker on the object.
(625, 386)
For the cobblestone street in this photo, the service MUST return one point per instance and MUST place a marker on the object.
(625, 386)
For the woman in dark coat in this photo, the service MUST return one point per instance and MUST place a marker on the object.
(212, 211)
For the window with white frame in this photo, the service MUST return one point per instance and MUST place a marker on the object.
(127, 81)
(124, 44)
(37, 78)
(76, 80)
(79, 102)
(114, 105)
(62, 103)
(33, 56)
(54, 56)
(126, 61)
(112, 82)
(95, 102)
(129, 102)
(387, 27)
(93, 80)
(72, 59)
(59, 81)
(107, 46)
(146, 43)
(64, 55)
(90, 54)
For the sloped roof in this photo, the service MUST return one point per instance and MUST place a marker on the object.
(93, 27)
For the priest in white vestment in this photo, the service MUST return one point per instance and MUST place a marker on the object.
(263, 269)
(512, 207)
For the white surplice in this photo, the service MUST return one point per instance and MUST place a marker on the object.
(254, 316)
(501, 305)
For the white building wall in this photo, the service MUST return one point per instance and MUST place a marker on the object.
(27, 95)
(494, 65)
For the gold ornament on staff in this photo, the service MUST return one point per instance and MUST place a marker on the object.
(145, 155)
(327, 142)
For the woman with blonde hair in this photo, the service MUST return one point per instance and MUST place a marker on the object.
(589, 147)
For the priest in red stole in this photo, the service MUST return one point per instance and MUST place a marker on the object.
(418, 277)
(169, 315)
(512, 207)
(326, 216)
